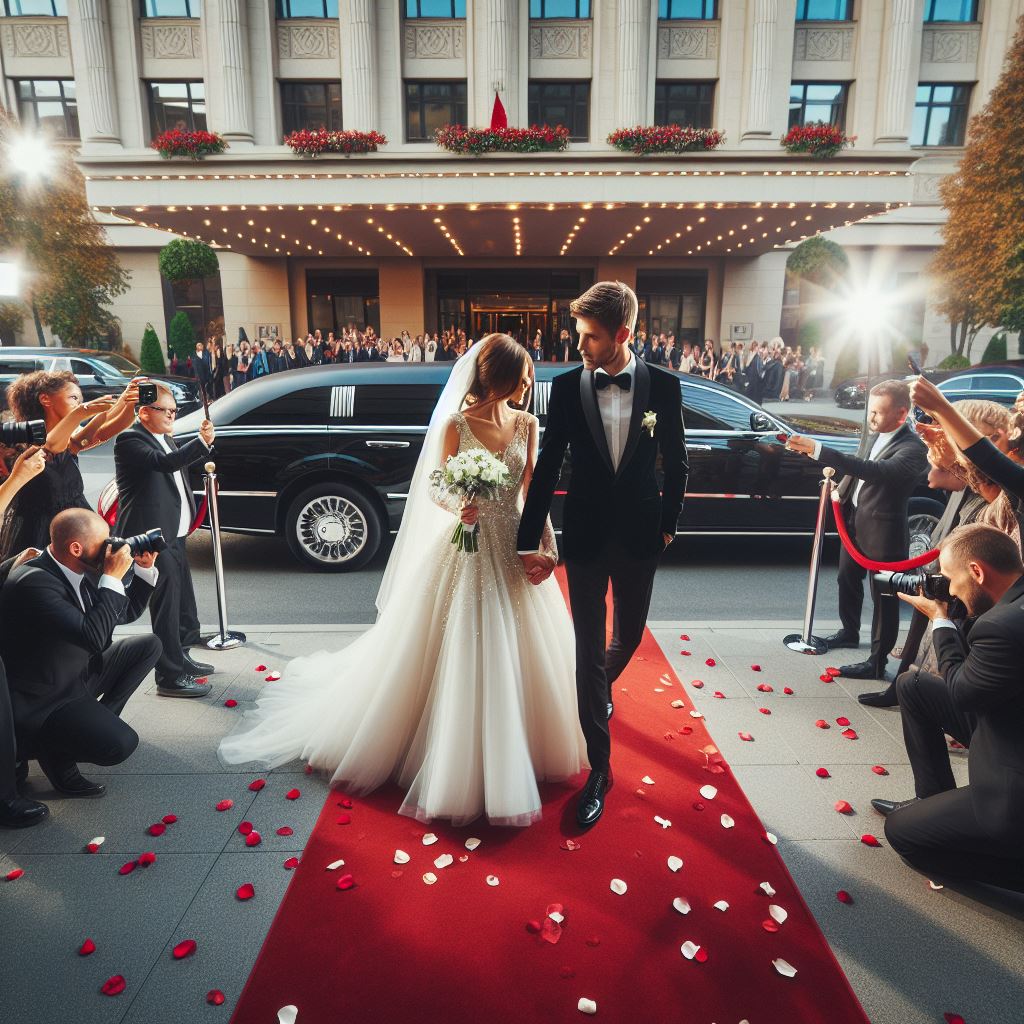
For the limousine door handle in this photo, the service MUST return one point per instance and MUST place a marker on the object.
(698, 447)
(387, 444)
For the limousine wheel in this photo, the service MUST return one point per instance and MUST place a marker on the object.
(333, 526)
(921, 526)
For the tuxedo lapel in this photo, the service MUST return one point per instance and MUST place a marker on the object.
(892, 440)
(592, 414)
(48, 563)
(641, 395)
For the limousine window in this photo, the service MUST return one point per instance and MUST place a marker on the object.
(14, 367)
(308, 407)
(400, 405)
(708, 409)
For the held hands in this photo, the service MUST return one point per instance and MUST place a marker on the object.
(799, 443)
(206, 433)
(538, 567)
(116, 563)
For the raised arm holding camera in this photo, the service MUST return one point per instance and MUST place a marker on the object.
(153, 491)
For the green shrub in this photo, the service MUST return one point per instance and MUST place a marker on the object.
(185, 259)
(181, 338)
(955, 362)
(151, 355)
(995, 350)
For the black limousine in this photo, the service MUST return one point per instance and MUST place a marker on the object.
(323, 456)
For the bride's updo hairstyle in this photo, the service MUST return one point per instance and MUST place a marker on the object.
(499, 371)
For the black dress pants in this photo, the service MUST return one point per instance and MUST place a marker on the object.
(173, 610)
(598, 665)
(8, 745)
(91, 730)
(885, 619)
(940, 835)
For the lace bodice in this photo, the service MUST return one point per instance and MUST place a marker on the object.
(514, 455)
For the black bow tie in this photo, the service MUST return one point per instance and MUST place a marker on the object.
(620, 380)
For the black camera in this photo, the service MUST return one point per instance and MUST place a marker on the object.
(147, 543)
(147, 394)
(932, 585)
(23, 432)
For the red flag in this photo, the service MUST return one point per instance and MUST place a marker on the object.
(498, 117)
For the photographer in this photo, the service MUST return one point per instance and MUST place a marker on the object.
(976, 832)
(154, 492)
(56, 625)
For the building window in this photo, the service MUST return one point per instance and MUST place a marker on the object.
(49, 103)
(431, 105)
(172, 8)
(940, 115)
(566, 103)
(435, 8)
(559, 8)
(307, 8)
(690, 10)
(684, 103)
(951, 10)
(311, 105)
(817, 101)
(824, 10)
(177, 105)
(36, 8)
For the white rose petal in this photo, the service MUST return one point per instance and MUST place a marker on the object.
(787, 970)
(493, 880)
(772, 838)
(618, 886)
(586, 1005)
(708, 792)
(557, 917)
(689, 949)
(429, 839)
(444, 861)
(98, 841)
(335, 864)
(678, 704)
(401, 857)
(727, 822)
(934, 887)
(429, 878)
(472, 844)
(675, 863)
(287, 1015)
(696, 714)
(681, 905)
(647, 780)
(659, 689)
(777, 914)
(274, 676)
(767, 888)
(663, 822)
(721, 905)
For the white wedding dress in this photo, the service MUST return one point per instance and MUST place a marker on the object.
(463, 692)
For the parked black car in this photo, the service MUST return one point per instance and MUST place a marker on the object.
(1000, 384)
(99, 373)
(324, 456)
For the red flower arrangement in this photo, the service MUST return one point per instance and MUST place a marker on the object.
(817, 139)
(457, 138)
(194, 145)
(313, 142)
(666, 138)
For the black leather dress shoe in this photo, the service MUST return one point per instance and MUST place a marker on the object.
(197, 668)
(22, 813)
(70, 781)
(886, 807)
(611, 709)
(880, 698)
(841, 638)
(183, 686)
(861, 670)
(591, 805)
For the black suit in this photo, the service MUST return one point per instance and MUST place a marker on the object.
(975, 832)
(148, 497)
(203, 366)
(8, 744)
(878, 526)
(613, 523)
(59, 659)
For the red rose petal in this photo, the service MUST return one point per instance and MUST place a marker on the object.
(746, 737)
(169, 819)
(788, 690)
(87, 947)
(755, 668)
(764, 688)
(822, 773)
(293, 794)
(253, 838)
(701, 956)
(826, 678)
(245, 892)
(956, 745)
(271, 678)
(683, 636)
(593, 941)
(147, 858)
(245, 827)
(879, 770)
(113, 986)
(570, 845)
(345, 802)
(230, 703)
(15, 874)
(953, 1018)
(285, 830)
(550, 931)
(157, 830)
(308, 769)
(685, 654)
(719, 695)
(843, 807)
(843, 896)
(215, 997)
(201, 679)
(344, 819)
(127, 869)
(698, 806)
(92, 847)
(832, 670)
(225, 805)
(710, 662)
(257, 784)
(697, 684)
(869, 840)
(769, 925)
(183, 949)
(685, 730)
(765, 711)
(346, 882)
(261, 668)
(822, 724)
(842, 721)
(533, 927)
(290, 863)
(849, 734)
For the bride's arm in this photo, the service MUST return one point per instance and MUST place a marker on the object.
(438, 494)
(548, 545)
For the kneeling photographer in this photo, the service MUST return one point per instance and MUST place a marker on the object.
(976, 832)
(57, 617)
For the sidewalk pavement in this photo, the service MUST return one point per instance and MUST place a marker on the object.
(912, 954)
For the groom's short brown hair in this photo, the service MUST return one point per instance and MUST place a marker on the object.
(611, 303)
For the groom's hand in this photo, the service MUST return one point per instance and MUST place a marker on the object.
(538, 567)
(668, 538)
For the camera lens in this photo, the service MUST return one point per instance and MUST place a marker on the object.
(23, 432)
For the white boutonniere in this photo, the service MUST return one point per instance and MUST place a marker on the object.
(650, 421)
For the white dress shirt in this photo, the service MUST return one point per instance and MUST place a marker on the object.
(185, 516)
(108, 582)
(616, 408)
(880, 442)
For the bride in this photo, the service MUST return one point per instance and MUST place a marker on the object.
(463, 691)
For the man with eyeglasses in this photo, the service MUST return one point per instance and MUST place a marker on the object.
(153, 491)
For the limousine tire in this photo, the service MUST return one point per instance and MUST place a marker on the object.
(333, 526)
(924, 515)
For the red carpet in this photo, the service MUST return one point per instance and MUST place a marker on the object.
(396, 950)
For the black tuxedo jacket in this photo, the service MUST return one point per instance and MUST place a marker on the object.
(889, 481)
(984, 670)
(603, 502)
(47, 642)
(147, 494)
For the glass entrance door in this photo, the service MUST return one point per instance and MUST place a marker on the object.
(521, 324)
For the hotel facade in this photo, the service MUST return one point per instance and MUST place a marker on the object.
(413, 237)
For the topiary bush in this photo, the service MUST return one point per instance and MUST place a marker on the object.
(955, 362)
(995, 350)
(819, 261)
(185, 259)
(151, 354)
(181, 338)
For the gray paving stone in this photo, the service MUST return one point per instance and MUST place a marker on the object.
(728, 718)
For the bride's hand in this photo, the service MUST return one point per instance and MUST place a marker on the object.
(469, 515)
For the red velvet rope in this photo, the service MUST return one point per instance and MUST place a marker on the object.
(868, 563)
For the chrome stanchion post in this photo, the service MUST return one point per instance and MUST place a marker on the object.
(226, 639)
(807, 642)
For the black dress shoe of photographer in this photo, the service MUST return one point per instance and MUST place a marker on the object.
(880, 698)
(22, 813)
(591, 805)
(842, 638)
(70, 781)
(197, 668)
(886, 807)
(611, 709)
(183, 686)
(862, 670)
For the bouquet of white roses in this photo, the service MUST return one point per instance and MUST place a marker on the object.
(467, 476)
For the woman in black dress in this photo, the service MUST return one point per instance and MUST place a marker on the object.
(57, 399)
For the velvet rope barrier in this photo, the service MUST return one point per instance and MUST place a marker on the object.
(869, 563)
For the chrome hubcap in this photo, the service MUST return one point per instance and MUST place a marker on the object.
(921, 527)
(331, 528)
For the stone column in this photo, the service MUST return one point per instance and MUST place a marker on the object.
(94, 73)
(764, 18)
(502, 68)
(632, 55)
(229, 87)
(901, 58)
(359, 88)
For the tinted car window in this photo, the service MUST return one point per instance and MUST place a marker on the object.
(14, 367)
(995, 381)
(706, 409)
(308, 407)
(395, 404)
(81, 368)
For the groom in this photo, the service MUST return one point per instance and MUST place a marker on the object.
(615, 414)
